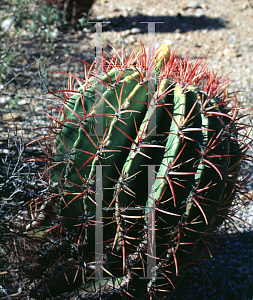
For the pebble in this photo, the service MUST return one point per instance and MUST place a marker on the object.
(125, 33)
(245, 5)
(100, 17)
(55, 33)
(218, 37)
(168, 42)
(193, 4)
(4, 99)
(135, 30)
(177, 36)
(229, 52)
(132, 39)
(125, 13)
(22, 102)
(6, 24)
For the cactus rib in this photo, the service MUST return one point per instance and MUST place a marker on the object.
(186, 137)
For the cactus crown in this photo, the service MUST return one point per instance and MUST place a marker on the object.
(148, 155)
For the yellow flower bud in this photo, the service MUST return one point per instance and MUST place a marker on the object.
(162, 53)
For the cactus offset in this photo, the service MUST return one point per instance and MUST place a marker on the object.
(170, 158)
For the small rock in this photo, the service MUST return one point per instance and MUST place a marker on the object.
(55, 33)
(177, 36)
(229, 52)
(135, 30)
(131, 39)
(126, 14)
(250, 220)
(100, 17)
(168, 42)
(22, 102)
(245, 5)
(6, 24)
(197, 45)
(218, 37)
(125, 33)
(232, 38)
(4, 99)
(137, 11)
(193, 4)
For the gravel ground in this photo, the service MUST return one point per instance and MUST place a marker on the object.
(222, 30)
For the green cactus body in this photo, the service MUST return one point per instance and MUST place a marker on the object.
(193, 153)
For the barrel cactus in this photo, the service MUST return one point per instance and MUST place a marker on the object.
(144, 164)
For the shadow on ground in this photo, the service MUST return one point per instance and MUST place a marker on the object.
(167, 23)
(228, 275)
